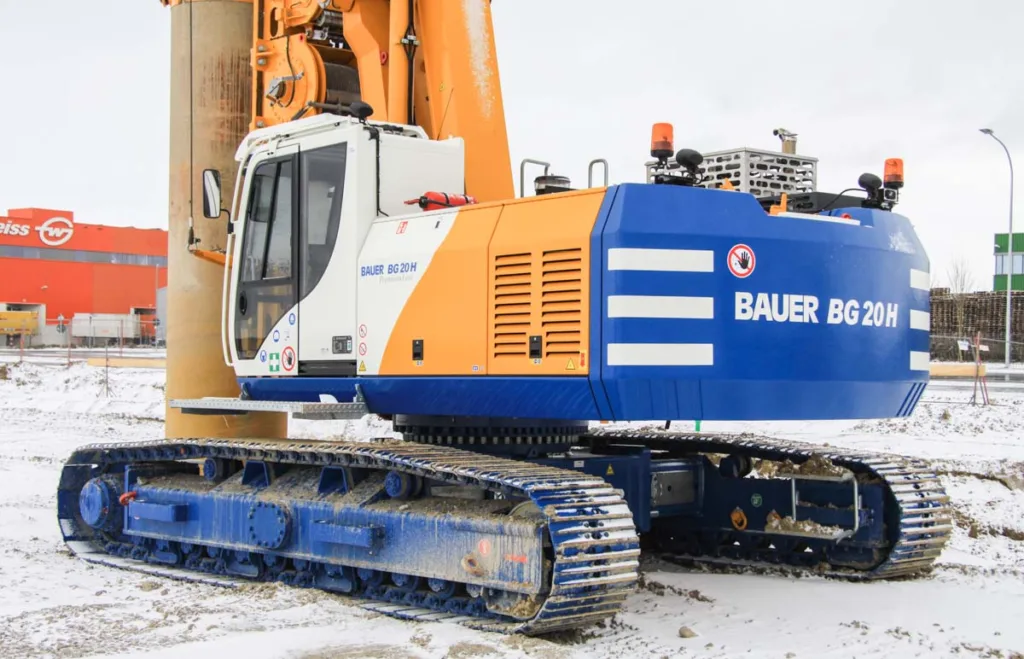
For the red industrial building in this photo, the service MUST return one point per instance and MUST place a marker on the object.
(100, 277)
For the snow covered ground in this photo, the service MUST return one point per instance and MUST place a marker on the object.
(52, 605)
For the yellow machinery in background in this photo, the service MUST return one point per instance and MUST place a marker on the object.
(18, 323)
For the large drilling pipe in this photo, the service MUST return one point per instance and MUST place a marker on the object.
(210, 112)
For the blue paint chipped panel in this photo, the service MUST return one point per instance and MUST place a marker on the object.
(549, 550)
(326, 521)
(411, 537)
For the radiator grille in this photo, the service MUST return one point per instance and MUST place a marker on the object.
(512, 304)
(561, 307)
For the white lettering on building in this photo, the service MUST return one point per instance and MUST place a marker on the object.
(55, 231)
(795, 308)
(12, 229)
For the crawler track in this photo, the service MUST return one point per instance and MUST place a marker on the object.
(595, 549)
(918, 516)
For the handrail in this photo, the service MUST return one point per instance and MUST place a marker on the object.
(590, 171)
(225, 315)
(522, 172)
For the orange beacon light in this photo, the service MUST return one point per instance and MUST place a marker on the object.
(661, 141)
(894, 173)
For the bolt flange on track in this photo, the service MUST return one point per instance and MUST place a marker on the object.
(592, 549)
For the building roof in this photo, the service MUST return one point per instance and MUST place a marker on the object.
(57, 229)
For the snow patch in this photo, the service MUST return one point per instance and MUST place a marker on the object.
(54, 605)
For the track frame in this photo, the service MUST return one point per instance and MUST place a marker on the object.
(591, 562)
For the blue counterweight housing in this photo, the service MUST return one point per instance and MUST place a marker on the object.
(704, 306)
(783, 317)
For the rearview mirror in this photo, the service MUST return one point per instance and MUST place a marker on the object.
(211, 193)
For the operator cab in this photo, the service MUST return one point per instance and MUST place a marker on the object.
(306, 198)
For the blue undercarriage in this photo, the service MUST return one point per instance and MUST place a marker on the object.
(525, 545)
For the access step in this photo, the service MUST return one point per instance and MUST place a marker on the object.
(323, 411)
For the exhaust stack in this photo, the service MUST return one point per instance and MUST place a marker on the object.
(788, 140)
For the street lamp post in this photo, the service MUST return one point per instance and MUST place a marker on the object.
(1009, 247)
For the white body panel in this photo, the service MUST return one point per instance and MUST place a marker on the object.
(331, 311)
(397, 253)
(279, 353)
(409, 168)
(270, 352)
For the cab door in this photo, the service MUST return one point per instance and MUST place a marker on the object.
(327, 281)
(265, 331)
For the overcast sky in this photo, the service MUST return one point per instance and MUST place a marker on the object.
(85, 122)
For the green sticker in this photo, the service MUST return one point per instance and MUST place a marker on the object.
(275, 362)
(755, 500)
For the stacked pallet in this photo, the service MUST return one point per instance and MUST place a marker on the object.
(963, 315)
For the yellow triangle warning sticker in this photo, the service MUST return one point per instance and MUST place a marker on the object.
(362, 367)
(610, 472)
(570, 366)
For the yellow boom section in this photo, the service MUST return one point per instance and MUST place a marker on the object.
(438, 70)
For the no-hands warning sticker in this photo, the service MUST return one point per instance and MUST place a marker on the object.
(288, 358)
(741, 261)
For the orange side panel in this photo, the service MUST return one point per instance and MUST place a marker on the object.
(448, 309)
(539, 284)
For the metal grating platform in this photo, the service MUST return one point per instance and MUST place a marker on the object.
(299, 410)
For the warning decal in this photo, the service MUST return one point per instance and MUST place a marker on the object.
(362, 367)
(610, 472)
(288, 358)
(570, 366)
(741, 261)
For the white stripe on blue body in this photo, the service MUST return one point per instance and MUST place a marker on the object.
(678, 307)
(920, 320)
(663, 260)
(660, 306)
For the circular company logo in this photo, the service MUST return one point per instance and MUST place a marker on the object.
(741, 261)
(55, 231)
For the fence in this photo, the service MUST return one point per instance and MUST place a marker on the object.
(960, 317)
(948, 349)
